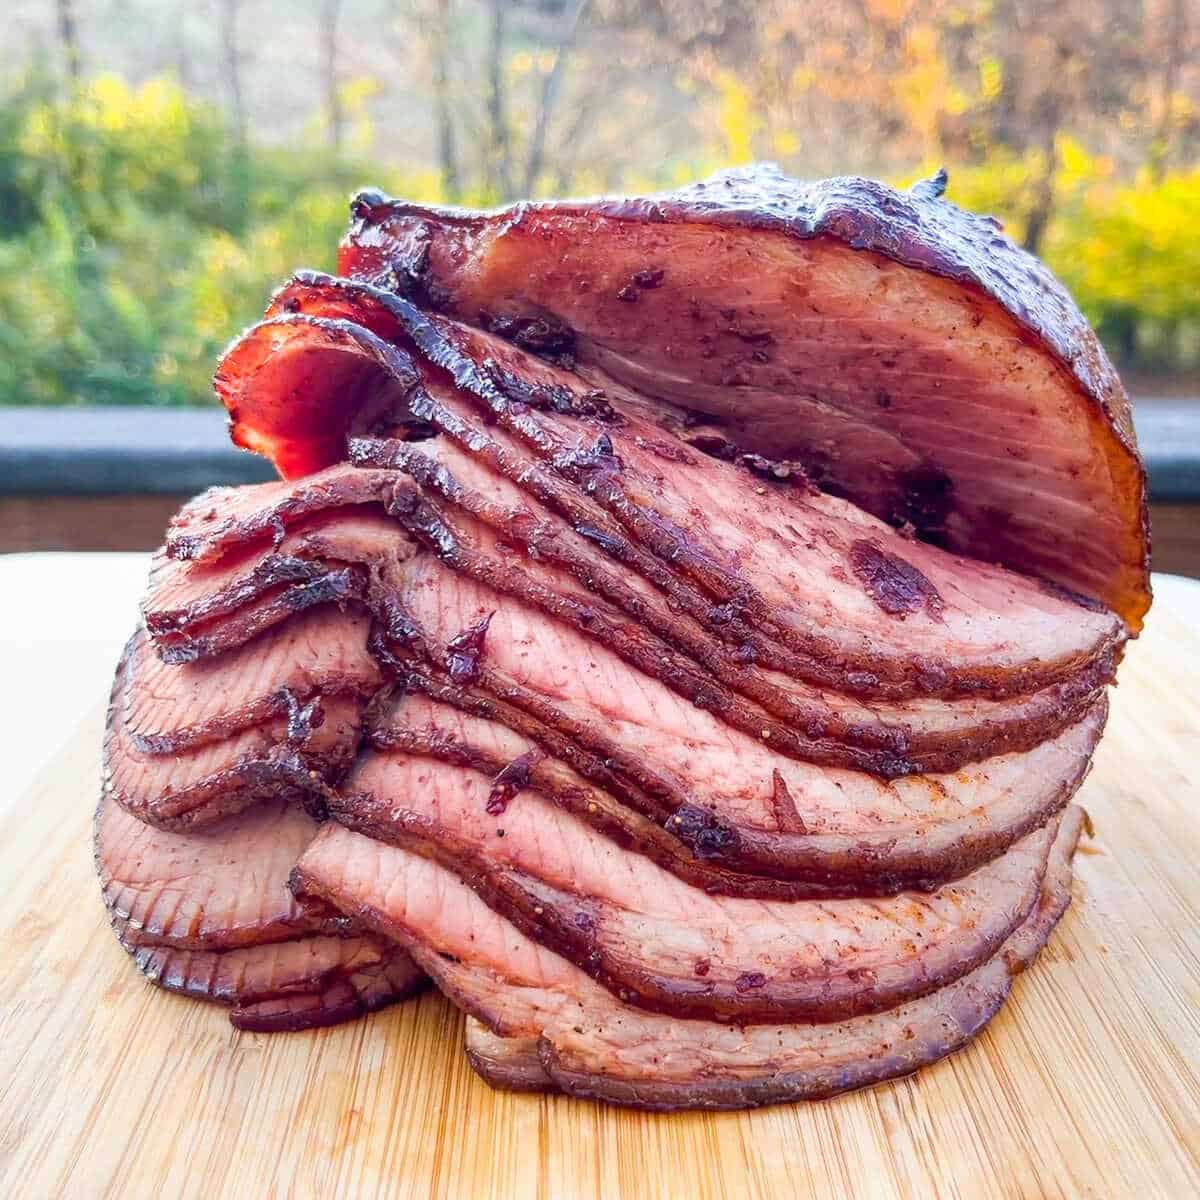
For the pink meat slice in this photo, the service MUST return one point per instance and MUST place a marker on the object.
(293, 758)
(923, 856)
(918, 618)
(218, 888)
(692, 762)
(210, 914)
(661, 943)
(590, 1044)
(840, 582)
(287, 986)
(226, 518)
(198, 609)
(344, 998)
(186, 592)
(953, 839)
(168, 708)
(339, 585)
(476, 533)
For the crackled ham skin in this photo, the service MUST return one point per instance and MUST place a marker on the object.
(908, 353)
(591, 1044)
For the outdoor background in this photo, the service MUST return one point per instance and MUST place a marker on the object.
(163, 165)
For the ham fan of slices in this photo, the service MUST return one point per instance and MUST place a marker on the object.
(678, 632)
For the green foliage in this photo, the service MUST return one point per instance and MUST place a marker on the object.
(137, 235)
(1130, 254)
(1127, 252)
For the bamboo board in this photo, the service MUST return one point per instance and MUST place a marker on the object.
(1088, 1083)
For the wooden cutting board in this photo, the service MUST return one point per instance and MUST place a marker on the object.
(1088, 1084)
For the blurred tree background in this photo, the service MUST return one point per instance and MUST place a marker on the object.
(163, 165)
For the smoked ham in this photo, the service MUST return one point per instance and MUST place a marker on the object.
(680, 630)
(909, 354)
(590, 1044)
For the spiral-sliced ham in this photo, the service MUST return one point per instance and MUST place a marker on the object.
(906, 351)
(293, 756)
(690, 618)
(664, 944)
(873, 612)
(209, 914)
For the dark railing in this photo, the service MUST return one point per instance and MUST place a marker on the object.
(111, 451)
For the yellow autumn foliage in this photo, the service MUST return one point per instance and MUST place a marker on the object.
(136, 235)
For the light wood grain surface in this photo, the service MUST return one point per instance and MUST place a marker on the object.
(1088, 1084)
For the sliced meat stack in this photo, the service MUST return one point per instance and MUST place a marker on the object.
(679, 631)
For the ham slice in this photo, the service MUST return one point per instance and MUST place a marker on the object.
(286, 986)
(910, 355)
(590, 1044)
(213, 889)
(168, 708)
(293, 757)
(939, 847)
(562, 573)
(712, 786)
(226, 518)
(226, 631)
(205, 608)
(884, 614)
(209, 914)
(662, 944)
